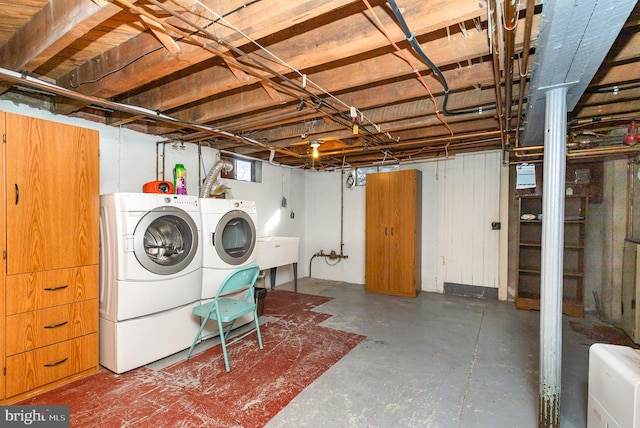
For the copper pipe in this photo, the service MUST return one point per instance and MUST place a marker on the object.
(530, 148)
(528, 24)
(422, 150)
(526, 149)
(496, 70)
(441, 139)
(583, 154)
(603, 151)
(529, 161)
(529, 155)
(408, 157)
(491, 135)
(511, 15)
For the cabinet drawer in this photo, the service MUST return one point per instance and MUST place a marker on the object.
(39, 290)
(32, 330)
(33, 369)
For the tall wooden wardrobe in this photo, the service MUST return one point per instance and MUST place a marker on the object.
(49, 229)
(393, 232)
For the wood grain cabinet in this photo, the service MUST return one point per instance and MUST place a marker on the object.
(393, 232)
(530, 254)
(50, 234)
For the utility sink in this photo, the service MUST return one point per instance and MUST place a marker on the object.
(274, 251)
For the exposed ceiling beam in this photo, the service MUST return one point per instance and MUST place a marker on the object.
(141, 57)
(54, 27)
(355, 35)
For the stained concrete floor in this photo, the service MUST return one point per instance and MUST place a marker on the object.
(434, 361)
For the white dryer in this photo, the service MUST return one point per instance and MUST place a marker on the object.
(150, 277)
(228, 240)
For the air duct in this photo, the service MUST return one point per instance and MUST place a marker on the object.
(574, 39)
(212, 177)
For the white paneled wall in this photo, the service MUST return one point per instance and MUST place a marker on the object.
(461, 197)
(469, 196)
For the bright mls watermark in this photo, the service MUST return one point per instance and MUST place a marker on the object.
(34, 416)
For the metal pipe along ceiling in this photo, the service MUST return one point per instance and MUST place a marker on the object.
(511, 22)
(13, 77)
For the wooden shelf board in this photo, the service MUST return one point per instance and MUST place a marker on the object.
(571, 308)
(570, 274)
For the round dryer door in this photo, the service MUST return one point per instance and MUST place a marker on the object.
(165, 240)
(235, 237)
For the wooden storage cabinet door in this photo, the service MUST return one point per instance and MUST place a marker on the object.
(52, 198)
(404, 260)
(377, 233)
(31, 370)
(35, 329)
(393, 233)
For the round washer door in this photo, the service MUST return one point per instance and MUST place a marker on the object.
(165, 240)
(235, 237)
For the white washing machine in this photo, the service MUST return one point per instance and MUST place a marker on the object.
(150, 276)
(228, 240)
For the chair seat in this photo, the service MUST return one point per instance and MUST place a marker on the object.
(230, 309)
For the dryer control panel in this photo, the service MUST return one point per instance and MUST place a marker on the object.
(248, 206)
(183, 201)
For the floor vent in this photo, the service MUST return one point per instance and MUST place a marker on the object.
(470, 291)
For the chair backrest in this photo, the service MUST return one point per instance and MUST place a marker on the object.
(239, 279)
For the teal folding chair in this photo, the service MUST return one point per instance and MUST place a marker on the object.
(226, 309)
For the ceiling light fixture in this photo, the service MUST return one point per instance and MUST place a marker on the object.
(314, 145)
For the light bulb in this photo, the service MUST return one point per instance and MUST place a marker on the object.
(314, 145)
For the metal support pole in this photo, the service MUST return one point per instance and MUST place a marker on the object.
(552, 256)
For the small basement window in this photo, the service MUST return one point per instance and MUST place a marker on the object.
(361, 173)
(243, 169)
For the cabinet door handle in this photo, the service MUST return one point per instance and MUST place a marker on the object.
(17, 194)
(56, 363)
(385, 231)
(392, 231)
(61, 287)
(56, 325)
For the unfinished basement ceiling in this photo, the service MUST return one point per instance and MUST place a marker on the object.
(266, 78)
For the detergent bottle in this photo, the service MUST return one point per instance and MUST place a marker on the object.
(180, 179)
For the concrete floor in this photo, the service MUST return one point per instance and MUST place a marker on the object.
(434, 361)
